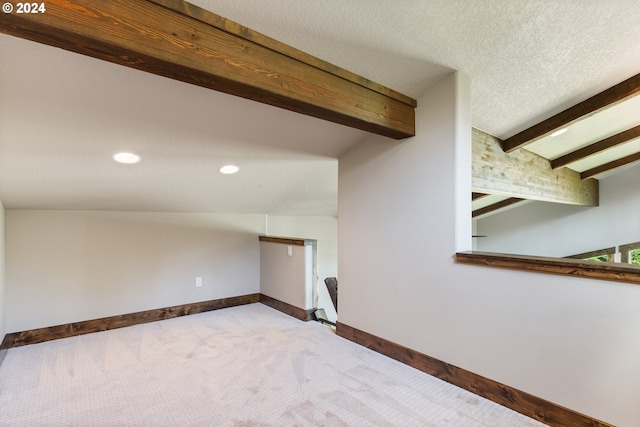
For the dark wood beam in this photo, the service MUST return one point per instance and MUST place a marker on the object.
(494, 207)
(610, 166)
(178, 40)
(602, 100)
(478, 196)
(596, 147)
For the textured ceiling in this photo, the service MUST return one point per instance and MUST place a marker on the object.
(63, 115)
(527, 59)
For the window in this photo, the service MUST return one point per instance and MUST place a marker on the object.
(601, 255)
(630, 253)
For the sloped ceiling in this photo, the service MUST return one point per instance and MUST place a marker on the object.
(63, 115)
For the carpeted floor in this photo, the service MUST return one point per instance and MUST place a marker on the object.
(242, 366)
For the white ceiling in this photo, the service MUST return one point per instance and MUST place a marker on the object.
(63, 115)
(596, 127)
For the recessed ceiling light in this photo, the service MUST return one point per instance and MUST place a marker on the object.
(127, 158)
(559, 131)
(229, 169)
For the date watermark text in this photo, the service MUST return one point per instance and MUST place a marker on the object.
(24, 8)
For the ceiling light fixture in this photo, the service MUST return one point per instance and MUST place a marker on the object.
(229, 169)
(559, 131)
(127, 158)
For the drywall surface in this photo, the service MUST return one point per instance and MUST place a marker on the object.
(551, 229)
(568, 340)
(67, 266)
(3, 304)
(286, 273)
(323, 229)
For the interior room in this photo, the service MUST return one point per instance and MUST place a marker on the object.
(411, 149)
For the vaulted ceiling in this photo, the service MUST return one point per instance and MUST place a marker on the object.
(62, 115)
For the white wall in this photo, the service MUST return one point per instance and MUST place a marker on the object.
(2, 275)
(324, 230)
(67, 266)
(287, 276)
(551, 229)
(572, 341)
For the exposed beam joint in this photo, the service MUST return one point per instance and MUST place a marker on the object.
(526, 175)
(596, 147)
(181, 41)
(607, 98)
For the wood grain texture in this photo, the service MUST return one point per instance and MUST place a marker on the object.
(526, 175)
(229, 26)
(617, 93)
(177, 40)
(519, 401)
(298, 313)
(605, 144)
(34, 336)
(286, 240)
(614, 272)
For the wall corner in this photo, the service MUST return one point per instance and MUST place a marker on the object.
(463, 221)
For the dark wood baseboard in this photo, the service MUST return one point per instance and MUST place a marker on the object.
(519, 401)
(298, 313)
(35, 336)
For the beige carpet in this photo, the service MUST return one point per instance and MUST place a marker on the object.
(242, 366)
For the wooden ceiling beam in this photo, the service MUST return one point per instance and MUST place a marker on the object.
(526, 175)
(596, 147)
(181, 41)
(597, 102)
(495, 206)
(624, 161)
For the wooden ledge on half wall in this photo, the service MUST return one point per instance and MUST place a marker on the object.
(287, 240)
(611, 271)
